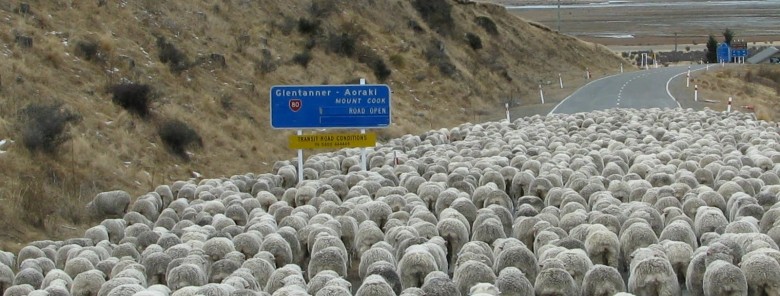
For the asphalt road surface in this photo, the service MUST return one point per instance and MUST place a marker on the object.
(638, 89)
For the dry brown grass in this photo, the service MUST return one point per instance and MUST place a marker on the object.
(754, 88)
(112, 149)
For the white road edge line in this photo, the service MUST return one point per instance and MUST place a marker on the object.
(668, 92)
(578, 90)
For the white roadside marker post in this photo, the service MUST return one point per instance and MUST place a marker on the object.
(696, 93)
(541, 93)
(621, 67)
(688, 78)
(506, 105)
(728, 109)
(560, 80)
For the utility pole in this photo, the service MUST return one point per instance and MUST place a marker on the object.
(559, 16)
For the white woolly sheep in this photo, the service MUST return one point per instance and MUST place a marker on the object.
(652, 274)
(603, 247)
(329, 258)
(375, 285)
(602, 280)
(576, 263)
(554, 280)
(261, 269)
(414, 265)
(512, 282)
(275, 282)
(636, 236)
(87, 283)
(186, 275)
(723, 278)
(111, 203)
(470, 273)
(439, 284)
(762, 274)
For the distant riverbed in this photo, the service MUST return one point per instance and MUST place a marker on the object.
(650, 22)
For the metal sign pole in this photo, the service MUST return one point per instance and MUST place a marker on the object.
(300, 161)
(363, 161)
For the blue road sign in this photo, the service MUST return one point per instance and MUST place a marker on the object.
(330, 106)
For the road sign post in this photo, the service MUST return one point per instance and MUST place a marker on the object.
(355, 106)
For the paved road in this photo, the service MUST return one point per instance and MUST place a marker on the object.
(639, 89)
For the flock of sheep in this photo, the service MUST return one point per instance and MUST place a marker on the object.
(617, 202)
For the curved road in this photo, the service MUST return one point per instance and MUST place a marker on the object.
(638, 89)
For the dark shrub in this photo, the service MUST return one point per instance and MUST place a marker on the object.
(171, 55)
(132, 97)
(266, 64)
(87, 50)
(474, 41)
(437, 14)
(44, 127)
(342, 44)
(177, 136)
(303, 58)
(308, 27)
(487, 24)
(437, 57)
(375, 62)
(322, 8)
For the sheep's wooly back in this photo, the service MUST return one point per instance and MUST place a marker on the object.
(475, 208)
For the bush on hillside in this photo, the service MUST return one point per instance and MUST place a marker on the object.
(322, 8)
(308, 27)
(45, 127)
(343, 44)
(266, 64)
(132, 97)
(177, 136)
(436, 56)
(87, 50)
(474, 41)
(171, 55)
(487, 24)
(303, 58)
(437, 14)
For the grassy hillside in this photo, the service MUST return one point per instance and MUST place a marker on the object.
(104, 95)
(754, 88)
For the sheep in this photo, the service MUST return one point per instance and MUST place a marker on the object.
(651, 274)
(602, 280)
(374, 255)
(679, 255)
(414, 265)
(261, 269)
(438, 283)
(723, 278)
(603, 247)
(470, 273)
(20, 290)
(108, 204)
(576, 263)
(554, 280)
(330, 258)
(374, 285)
(388, 271)
(87, 283)
(186, 275)
(762, 274)
(680, 231)
(279, 247)
(275, 280)
(29, 276)
(519, 257)
(636, 236)
(512, 282)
